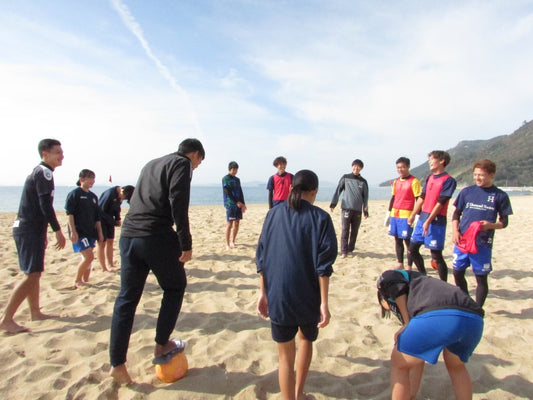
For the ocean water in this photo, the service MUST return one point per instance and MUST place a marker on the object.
(200, 195)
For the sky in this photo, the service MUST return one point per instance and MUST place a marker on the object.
(120, 82)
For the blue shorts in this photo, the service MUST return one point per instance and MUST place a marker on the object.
(427, 334)
(233, 213)
(435, 238)
(283, 333)
(481, 261)
(30, 250)
(400, 228)
(83, 244)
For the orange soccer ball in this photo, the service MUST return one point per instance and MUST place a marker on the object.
(173, 370)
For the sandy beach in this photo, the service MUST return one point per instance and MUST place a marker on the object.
(231, 354)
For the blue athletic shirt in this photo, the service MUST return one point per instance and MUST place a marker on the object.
(482, 204)
(294, 249)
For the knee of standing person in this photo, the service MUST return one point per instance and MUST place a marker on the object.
(89, 256)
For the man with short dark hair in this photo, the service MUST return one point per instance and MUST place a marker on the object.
(36, 211)
(479, 210)
(354, 205)
(149, 242)
(405, 190)
(234, 203)
(430, 230)
(279, 184)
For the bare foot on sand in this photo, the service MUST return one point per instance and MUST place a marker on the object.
(120, 375)
(12, 327)
(42, 316)
(79, 285)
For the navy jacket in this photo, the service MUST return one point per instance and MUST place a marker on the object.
(109, 203)
(36, 208)
(294, 249)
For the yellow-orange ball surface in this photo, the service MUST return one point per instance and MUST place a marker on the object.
(173, 370)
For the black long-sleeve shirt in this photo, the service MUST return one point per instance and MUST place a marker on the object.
(161, 200)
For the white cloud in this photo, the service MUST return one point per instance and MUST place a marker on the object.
(109, 133)
(321, 83)
(135, 28)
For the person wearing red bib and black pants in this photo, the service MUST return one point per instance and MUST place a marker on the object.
(430, 229)
(405, 190)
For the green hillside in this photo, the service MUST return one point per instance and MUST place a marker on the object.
(513, 155)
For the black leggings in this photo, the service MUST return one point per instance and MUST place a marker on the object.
(482, 289)
(436, 255)
(400, 250)
(441, 264)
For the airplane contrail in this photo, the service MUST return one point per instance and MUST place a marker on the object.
(135, 28)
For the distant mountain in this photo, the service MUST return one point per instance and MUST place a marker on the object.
(513, 155)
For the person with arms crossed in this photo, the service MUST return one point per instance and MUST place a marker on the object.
(35, 213)
(479, 210)
(149, 242)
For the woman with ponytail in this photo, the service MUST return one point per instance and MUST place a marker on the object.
(295, 255)
(84, 224)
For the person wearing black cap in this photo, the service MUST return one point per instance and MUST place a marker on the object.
(294, 257)
(149, 242)
(437, 316)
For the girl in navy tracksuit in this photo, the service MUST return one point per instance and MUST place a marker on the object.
(295, 254)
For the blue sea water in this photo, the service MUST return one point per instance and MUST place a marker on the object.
(200, 195)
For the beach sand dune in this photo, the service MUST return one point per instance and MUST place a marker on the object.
(231, 354)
